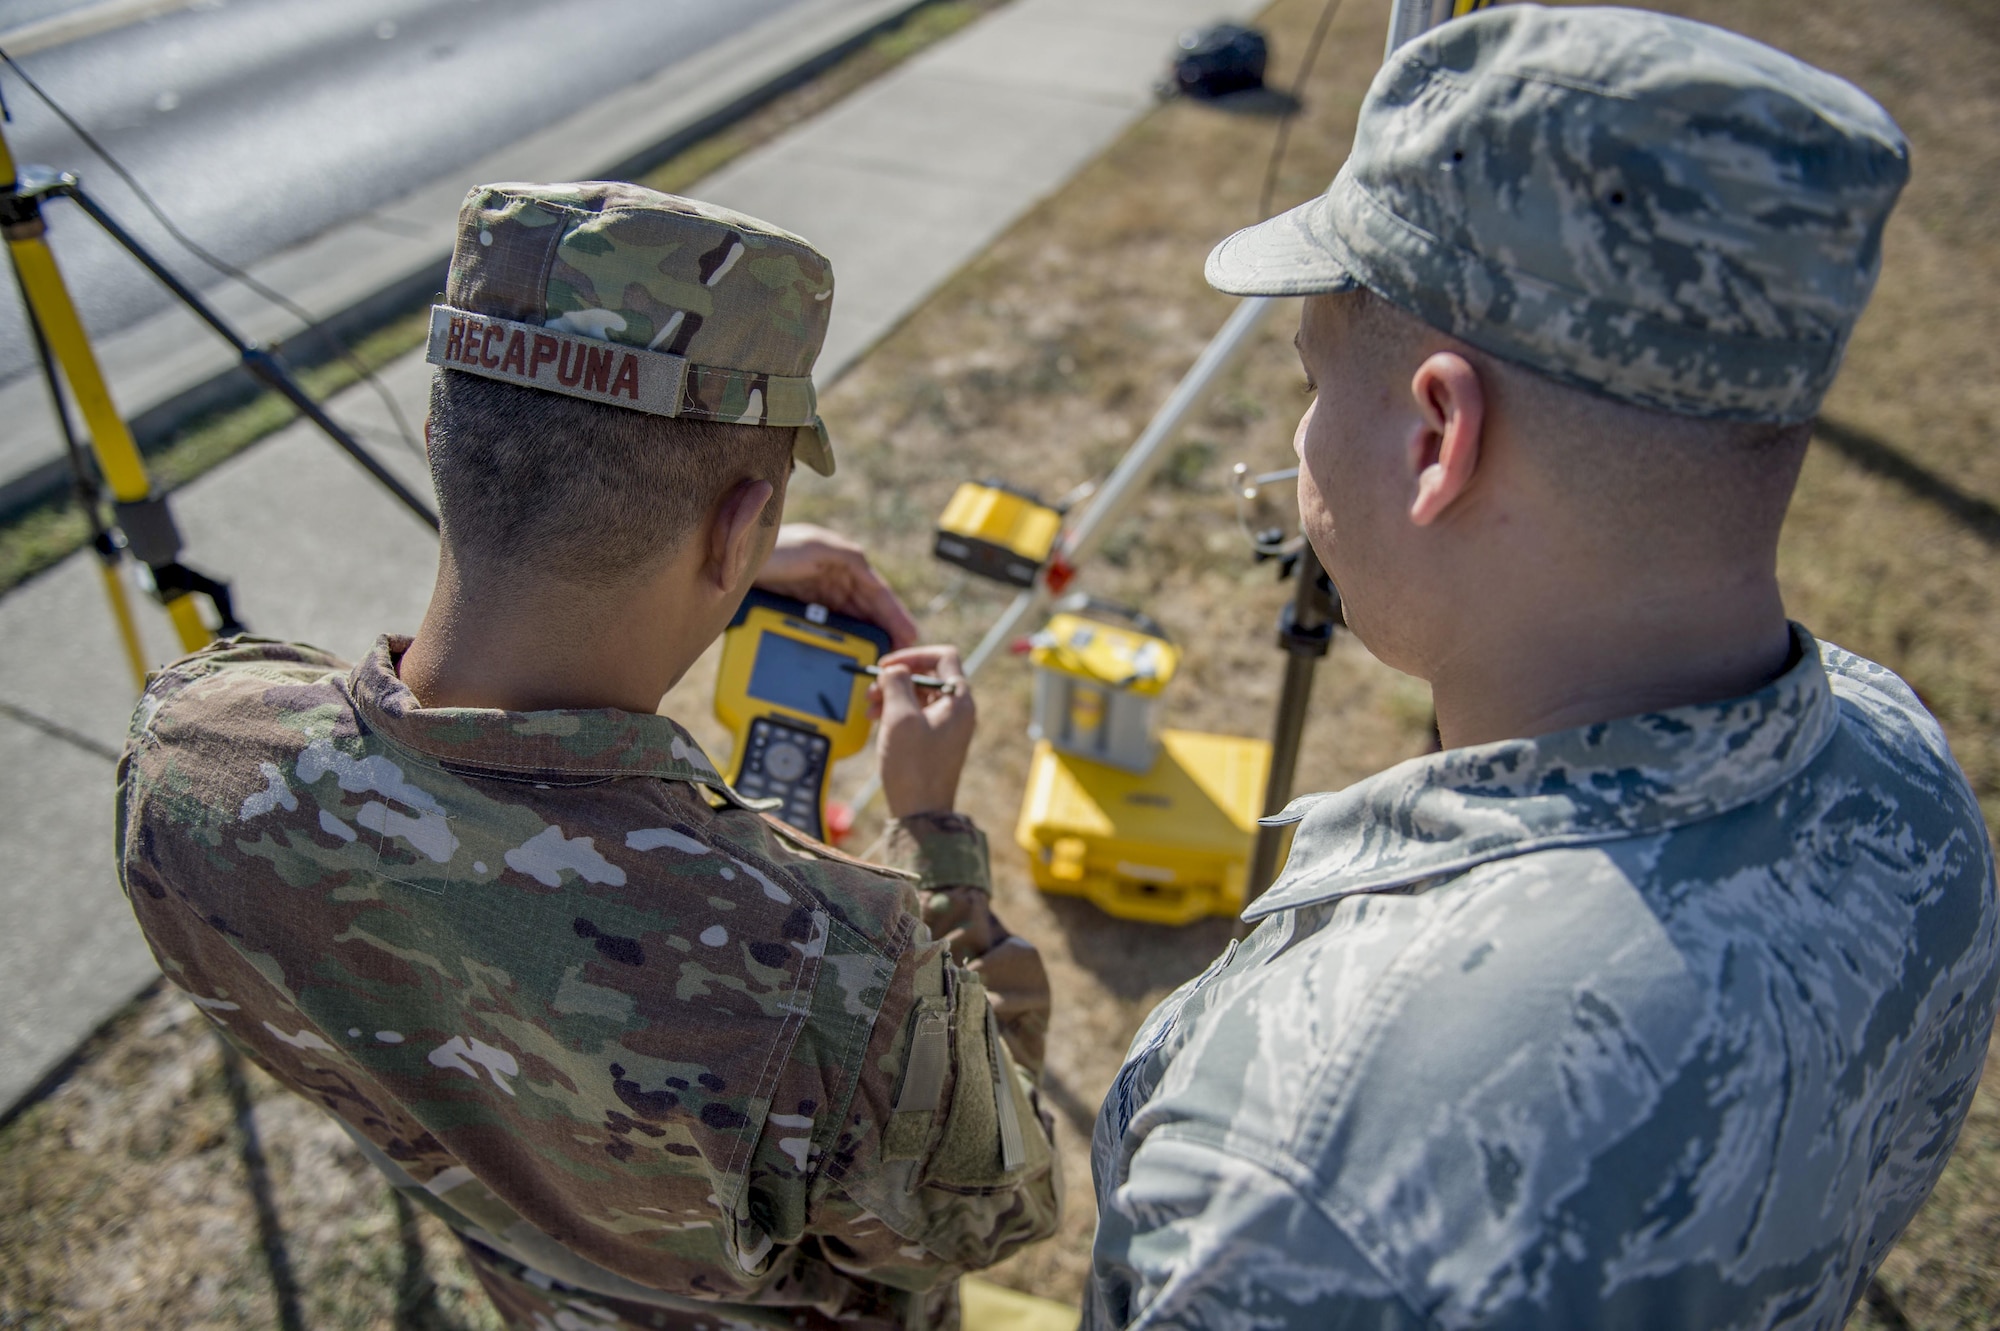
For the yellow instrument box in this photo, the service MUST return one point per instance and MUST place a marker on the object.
(1099, 672)
(997, 532)
(1168, 846)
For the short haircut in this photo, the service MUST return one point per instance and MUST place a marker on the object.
(559, 487)
(1631, 464)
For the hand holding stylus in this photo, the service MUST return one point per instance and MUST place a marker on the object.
(922, 738)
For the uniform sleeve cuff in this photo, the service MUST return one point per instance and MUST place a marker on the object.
(942, 849)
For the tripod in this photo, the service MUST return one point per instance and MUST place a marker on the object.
(141, 522)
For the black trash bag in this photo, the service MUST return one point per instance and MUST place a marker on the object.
(1219, 60)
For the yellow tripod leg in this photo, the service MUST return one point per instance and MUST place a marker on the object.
(117, 454)
(121, 613)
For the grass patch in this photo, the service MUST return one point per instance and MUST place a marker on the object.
(125, 1201)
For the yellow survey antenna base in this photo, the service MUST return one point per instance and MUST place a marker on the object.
(998, 532)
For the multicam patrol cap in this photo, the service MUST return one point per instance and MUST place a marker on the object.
(623, 295)
(1647, 207)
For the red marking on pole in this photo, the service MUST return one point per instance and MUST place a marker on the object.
(1058, 575)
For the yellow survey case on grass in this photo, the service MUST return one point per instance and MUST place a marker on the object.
(1168, 846)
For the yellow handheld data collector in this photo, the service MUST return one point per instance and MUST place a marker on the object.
(793, 695)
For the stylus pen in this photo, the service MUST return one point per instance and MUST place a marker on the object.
(919, 681)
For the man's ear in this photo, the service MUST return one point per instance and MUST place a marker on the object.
(1445, 452)
(735, 533)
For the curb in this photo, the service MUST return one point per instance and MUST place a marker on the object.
(167, 370)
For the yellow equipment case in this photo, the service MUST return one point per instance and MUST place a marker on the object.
(1167, 846)
(998, 532)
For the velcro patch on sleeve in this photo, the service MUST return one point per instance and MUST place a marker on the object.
(930, 1056)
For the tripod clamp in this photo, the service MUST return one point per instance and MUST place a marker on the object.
(23, 201)
(1314, 638)
(153, 538)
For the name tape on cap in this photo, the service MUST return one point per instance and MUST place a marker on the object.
(518, 353)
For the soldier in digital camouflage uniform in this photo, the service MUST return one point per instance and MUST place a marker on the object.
(658, 1059)
(1660, 1006)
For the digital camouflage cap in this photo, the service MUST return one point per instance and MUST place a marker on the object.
(623, 295)
(1647, 207)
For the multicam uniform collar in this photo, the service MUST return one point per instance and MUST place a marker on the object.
(603, 742)
(1449, 812)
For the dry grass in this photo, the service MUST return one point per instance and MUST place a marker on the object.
(127, 1200)
(1039, 364)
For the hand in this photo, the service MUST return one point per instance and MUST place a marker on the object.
(924, 734)
(815, 565)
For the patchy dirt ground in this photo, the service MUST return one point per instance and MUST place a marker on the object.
(123, 1198)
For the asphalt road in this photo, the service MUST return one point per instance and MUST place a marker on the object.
(259, 123)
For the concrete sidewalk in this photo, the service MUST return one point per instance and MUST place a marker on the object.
(901, 184)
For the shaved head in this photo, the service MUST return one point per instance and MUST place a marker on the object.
(1528, 546)
(1643, 475)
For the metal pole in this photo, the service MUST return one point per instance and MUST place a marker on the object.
(1305, 632)
(1411, 18)
(1145, 457)
(1148, 451)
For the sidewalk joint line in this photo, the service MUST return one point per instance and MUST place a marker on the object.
(57, 730)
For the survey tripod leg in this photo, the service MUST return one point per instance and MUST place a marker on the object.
(143, 516)
(89, 496)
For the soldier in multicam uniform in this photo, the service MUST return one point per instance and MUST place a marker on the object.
(659, 1060)
(1658, 999)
